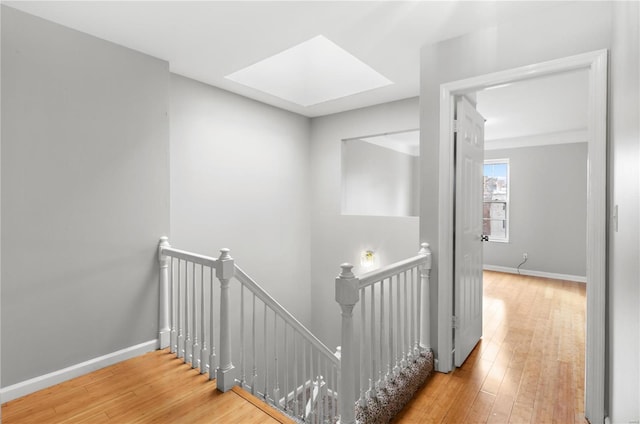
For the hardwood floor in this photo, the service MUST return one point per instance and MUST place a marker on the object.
(152, 388)
(528, 368)
(529, 365)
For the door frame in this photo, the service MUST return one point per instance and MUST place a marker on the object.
(596, 65)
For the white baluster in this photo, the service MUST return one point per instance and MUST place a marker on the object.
(304, 376)
(323, 396)
(372, 352)
(335, 398)
(311, 396)
(390, 339)
(163, 315)
(406, 344)
(381, 378)
(254, 374)
(188, 354)
(418, 283)
(425, 270)
(212, 338)
(413, 297)
(174, 312)
(325, 402)
(225, 268)
(195, 349)
(180, 321)
(286, 368)
(398, 341)
(364, 363)
(264, 354)
(203, 321)
(276, 387)
(347, 297)
(242, 356)
(296, 409)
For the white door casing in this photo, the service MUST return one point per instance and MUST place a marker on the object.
(596, 65)
(469, 138)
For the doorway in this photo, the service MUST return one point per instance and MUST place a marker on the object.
(595, 63)
(535, 158)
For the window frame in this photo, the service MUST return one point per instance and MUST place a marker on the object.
(507, 202)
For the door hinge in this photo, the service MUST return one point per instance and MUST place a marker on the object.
(456, 126)
(454, 321)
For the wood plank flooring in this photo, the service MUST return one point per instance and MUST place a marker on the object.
(528, 368)
(529, 365)
(152, 388)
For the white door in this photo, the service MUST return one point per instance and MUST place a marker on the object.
(468, 230)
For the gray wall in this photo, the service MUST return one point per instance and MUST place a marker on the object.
(338, 238)
(378, 180)
(571, 29)
(85, 195)
(548, 217)
(240, 179)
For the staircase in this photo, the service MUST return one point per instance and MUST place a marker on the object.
(216, 318)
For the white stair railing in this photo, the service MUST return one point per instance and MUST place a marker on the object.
(276, 357)
(393, 329)
(288, 366)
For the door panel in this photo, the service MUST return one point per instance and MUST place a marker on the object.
(468, 230)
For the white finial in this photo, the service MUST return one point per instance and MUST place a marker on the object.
(346, 271)
(224, 253)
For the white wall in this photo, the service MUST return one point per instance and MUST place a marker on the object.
(240, 179)
(340, 238)
(624, 191)
(85, 178)
(378, 180)
(547, 210)
(1, 9)
(571, 29)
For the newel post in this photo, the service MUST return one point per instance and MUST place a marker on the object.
(425, 320)
(164, 330)
(224, 272)
(347, 296)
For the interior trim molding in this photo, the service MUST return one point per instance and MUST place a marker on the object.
(42, 382)
(548, 139)
(534, 273)
(596, 64)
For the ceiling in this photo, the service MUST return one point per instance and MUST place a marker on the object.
(544, 110)
(207, 40)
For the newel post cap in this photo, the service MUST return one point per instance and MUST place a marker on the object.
(164, 242)
(426, 250)
(347, 286)
(225, 266)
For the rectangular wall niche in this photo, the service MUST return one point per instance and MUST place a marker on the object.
(380, 174)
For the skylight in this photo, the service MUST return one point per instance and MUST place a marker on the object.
(312, 72)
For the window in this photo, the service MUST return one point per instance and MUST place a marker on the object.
(495, 211)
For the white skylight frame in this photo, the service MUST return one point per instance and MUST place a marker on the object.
(312, 72)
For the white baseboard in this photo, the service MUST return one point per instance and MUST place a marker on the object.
(42, 382)
(555, 276)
